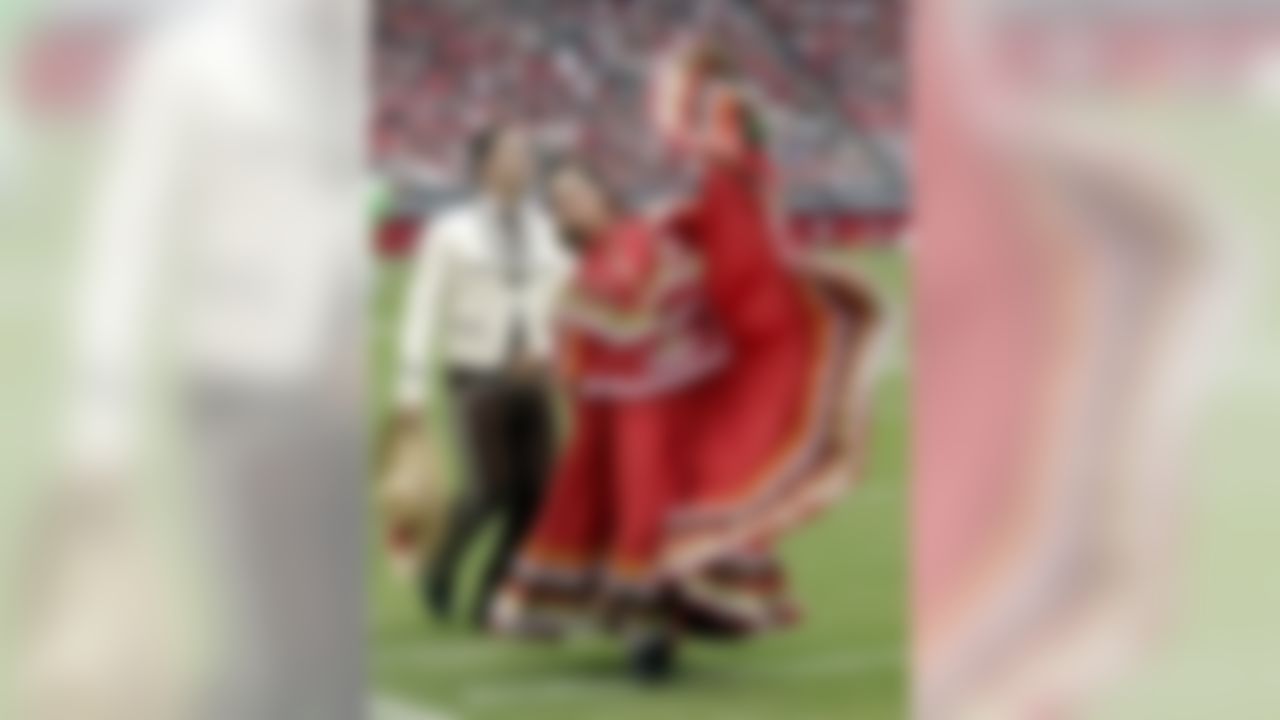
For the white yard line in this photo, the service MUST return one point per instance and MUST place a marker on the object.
(385, 707)
(561, 688)
(558, 689)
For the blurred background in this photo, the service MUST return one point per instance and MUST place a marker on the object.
(832, 77)
(1094, 272)
(184, 261)
(1091, 354)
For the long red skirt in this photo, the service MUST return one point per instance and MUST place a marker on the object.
(770, 431)
(665, 509)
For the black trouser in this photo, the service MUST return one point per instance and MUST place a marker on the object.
(505, 429)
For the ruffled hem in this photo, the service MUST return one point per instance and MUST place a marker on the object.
(726, 600)
(822, 467)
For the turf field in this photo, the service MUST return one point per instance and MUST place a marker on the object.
(846, 660)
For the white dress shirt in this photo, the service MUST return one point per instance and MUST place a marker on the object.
(464, 306)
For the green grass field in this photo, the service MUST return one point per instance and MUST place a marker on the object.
(847, 660)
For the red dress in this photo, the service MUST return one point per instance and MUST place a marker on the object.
(768, 421)
(635, 336)
(671, 493)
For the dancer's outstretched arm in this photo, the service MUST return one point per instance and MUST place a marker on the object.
(699, 107)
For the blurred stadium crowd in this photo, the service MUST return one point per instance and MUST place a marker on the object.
(831, 72)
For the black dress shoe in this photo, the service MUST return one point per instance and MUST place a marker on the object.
(653, 658)
(438, 599)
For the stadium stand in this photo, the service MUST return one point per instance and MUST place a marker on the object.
(575, 71)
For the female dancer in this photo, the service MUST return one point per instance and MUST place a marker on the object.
(706, 470)
(772, 429)
(636, 336)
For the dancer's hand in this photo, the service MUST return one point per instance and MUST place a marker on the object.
(693, 97)
(676, 83)
(706, 61)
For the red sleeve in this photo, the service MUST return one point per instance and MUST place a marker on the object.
(620, 271)
(638, 265)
